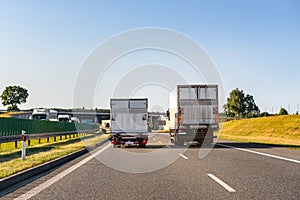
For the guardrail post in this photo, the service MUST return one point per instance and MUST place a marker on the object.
(54, 139)
(23, 145)
(16, 144)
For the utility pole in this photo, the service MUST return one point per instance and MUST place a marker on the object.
(272, 110)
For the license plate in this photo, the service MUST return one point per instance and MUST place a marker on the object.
(129, 142)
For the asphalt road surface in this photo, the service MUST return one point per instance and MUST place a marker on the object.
(230, 170)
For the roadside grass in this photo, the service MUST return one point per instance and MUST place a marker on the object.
(275, 130)
(36, 154)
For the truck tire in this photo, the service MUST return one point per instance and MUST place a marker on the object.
(200, 142)
(208, 142)
(179, 142)
(142, 145)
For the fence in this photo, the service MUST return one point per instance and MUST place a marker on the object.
(13, 126)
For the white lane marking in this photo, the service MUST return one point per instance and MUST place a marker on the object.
(153, 138)
(159, 142)
(227, 187)
(59, 176)
(183, 156)
(260, 153)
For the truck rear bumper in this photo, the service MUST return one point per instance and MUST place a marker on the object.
(119, 139)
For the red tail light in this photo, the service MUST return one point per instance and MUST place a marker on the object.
(144, 141)
(122, 142)
(180, 116)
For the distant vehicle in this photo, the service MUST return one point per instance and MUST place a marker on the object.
(75, 120)
(40, 114)
(196, 116)
(44, 114)
(64, 118)
(53, 115)
(129, 122)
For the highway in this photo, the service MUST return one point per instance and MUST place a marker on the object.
(230, 170)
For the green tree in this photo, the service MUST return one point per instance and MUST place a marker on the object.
(251, 109)
(235, 103)
(241, 105)
(14, 95)
(283, 111)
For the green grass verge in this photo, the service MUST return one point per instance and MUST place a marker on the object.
(276, 130)
(11, 162)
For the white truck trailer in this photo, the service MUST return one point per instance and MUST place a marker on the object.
(129, 119)
(44, 114)
(64, 118)
(196, 116)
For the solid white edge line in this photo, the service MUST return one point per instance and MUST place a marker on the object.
(59, 176)
(183, 156)
(227, 187)
(260, 153)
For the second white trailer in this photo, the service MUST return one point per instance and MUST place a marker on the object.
(129, 119)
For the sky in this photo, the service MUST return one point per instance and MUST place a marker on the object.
(255, 46)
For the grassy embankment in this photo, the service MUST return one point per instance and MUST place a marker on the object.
(10, 157)
(278, 130)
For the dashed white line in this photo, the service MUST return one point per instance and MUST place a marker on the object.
(260, 153)
(159, 142)
(59, 176)
(183, 156)
(227, 187)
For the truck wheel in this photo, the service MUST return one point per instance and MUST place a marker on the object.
(200, 142)
(142, 145)
(207, 142)
(179, 142)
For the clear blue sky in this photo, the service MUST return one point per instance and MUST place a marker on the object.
(254, 44)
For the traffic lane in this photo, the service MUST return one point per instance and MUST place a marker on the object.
(94, 180)
(254, 176)
(214, 163)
